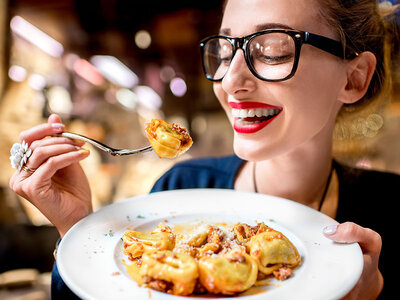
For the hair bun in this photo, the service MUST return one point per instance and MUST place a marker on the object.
(386, 8)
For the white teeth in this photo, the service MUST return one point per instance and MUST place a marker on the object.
(251, 113)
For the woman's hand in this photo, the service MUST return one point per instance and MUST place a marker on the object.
(58, 187)
(371, 282)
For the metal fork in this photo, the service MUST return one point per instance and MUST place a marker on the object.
(112, 151)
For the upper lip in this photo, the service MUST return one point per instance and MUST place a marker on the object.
(251, 104)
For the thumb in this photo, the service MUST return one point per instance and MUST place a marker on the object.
(348, 232)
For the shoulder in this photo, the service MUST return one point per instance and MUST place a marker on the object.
(212, 172)
(365, 194)
(369, 198)
(365, 180)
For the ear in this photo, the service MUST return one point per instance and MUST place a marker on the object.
(359, 74)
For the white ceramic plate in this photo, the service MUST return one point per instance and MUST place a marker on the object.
(90, 258)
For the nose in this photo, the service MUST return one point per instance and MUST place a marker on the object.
(238, 78)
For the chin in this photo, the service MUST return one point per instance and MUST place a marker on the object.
(259, 147)
(252, 150)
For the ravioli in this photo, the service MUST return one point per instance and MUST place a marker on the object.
(229, 273)
(217, 259)
(137, 243)
(168, 140)
(174, 273)
(272, 250)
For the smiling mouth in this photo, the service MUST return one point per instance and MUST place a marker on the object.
(250, 117)
(254, 115)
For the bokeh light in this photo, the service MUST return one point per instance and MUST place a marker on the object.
(17, 73)
(127, 98)
(167, 73)
(178, 87)
(37, 82)
(143, 39)
(59, 100)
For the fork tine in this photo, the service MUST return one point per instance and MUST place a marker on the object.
(129, 152)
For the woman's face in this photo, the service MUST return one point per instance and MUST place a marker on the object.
(307, 103)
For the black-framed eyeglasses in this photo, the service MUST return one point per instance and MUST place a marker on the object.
(271, 55)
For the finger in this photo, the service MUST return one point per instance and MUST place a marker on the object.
(42, 150)
(47, 170)
(41, 131)
(43, 174)
(348, 232)
(54, 118)
(55, 140)
(42, 154)
(13, 180)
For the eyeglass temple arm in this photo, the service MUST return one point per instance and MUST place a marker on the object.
(329, 45)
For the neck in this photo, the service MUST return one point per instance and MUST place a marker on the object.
(301, 175)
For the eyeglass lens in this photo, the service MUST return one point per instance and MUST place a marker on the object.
(270, 55)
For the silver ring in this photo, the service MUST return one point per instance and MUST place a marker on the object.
(19, 155)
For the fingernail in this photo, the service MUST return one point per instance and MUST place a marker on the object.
(78, 142)
(58, 126)
(330, 230)
(84, 151)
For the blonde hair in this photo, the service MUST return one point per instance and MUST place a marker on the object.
(365, 25)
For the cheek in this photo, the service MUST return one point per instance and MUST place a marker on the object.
(316, 85)
(310, 106)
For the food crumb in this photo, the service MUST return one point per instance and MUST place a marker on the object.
(115, 274)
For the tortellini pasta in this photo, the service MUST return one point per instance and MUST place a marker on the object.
(137, 243)
(227, 274)
(218, 259)
(168, 140)
(174, 273)
(272, 250)
(245, 232)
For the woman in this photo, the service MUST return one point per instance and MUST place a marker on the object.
(282, 106)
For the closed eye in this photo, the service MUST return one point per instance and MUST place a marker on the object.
(275, 60)
(225, 60)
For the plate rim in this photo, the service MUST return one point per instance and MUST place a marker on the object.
(82, 293)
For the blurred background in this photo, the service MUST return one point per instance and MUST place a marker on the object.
(106, 67)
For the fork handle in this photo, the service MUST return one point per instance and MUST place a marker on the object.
(87, 140)
(112, 151)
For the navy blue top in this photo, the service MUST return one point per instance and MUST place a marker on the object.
(200, 173)
(366, 197)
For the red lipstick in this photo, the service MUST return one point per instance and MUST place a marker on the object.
(251, 122)
(251, 104)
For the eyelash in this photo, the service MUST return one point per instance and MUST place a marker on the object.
(276, 59)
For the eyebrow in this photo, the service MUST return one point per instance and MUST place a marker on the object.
(265, 26)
